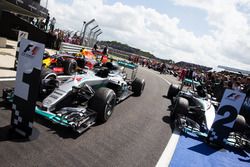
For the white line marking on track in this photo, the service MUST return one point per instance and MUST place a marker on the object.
(157, 75)
(7, 79)
(168, 152)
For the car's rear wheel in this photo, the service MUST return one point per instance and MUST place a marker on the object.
(69, 66)
(47, 73)
(103, 103)
(48, 82)
(172, 91)
(138, 86)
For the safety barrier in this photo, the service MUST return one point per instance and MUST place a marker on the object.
(3, 42)
(71, 48)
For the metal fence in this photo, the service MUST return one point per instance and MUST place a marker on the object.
(71, 48)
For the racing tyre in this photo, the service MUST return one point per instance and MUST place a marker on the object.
(103, 103)
(138, 86)
(240, 124)
(7, 92)
(181, 107)
(81, 63)
(172, 91)
(69, 66)
(47, 73)
(48, 82)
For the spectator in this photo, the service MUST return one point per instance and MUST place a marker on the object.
(41, 24)
(59, 39)
(189, 74)
(246, 106)
(183, 74)
(105, 50)
(47, 22)
(95, 47)
(52, 24)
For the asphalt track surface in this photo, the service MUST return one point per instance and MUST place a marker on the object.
(135, 135)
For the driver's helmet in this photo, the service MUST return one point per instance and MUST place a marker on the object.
(111, 66)
(200, 91)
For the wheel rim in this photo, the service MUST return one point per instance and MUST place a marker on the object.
(109, 107)
(143, 85)
(73, 68)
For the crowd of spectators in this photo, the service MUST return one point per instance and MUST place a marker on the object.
(145, 62)
(214, 83)
(45, 24)
(57, 36)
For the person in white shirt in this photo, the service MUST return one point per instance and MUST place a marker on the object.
(52, 24)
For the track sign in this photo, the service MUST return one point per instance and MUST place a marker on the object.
(226, 115)
(26, 86)
(21, 35)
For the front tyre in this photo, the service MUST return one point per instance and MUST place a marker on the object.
(181, 107)
(103, 103)
(240, 124)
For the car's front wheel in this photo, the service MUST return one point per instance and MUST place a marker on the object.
(103, 103)
(240, 124)
(180, 107)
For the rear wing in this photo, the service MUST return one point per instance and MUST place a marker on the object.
(129, 68)
(190, 82)
(127, 64)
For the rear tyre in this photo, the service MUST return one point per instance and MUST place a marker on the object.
(69, 66)
(172, 91)
(47, 73)
(81, 63)
(48, 82)
(138, 86)
(103, 103)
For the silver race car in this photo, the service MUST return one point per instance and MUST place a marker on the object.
(193, 111)
(87, 98)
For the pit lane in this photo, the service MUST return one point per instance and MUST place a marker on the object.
(135, 135)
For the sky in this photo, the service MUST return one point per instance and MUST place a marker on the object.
(206, 32)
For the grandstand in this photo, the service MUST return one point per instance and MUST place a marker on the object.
(31, 8)
(16, 15)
